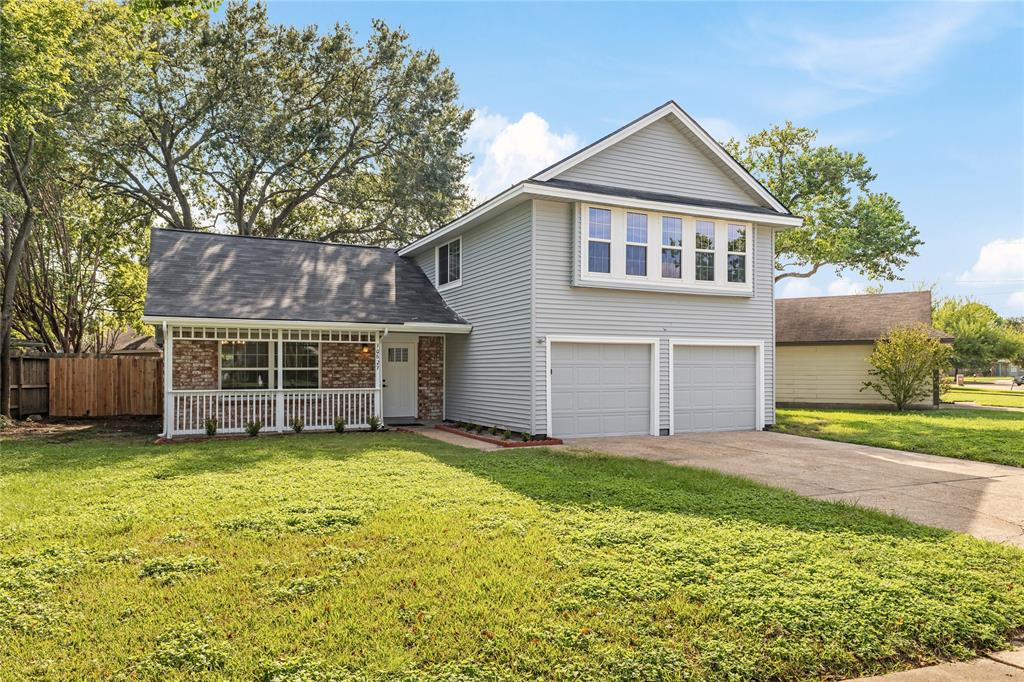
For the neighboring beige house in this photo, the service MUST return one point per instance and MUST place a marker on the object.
(823, 344)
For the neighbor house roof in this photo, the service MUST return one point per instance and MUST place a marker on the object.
(217, 276)
(862, 318)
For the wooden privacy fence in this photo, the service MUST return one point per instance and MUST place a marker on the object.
(29, 385)
(106, 387)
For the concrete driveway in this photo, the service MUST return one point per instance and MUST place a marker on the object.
(985, 500)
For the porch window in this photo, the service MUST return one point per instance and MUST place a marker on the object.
(245, 364)
(449, 263)
(301, 365)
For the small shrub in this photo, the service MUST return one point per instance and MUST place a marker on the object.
(507, 435)
(253, 427)
(374, 423)
(526, 437)
(298, 423)
(339, 425)
(904, 363)
(211, 425)
(495, 431)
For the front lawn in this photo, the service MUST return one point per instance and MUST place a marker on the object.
(363, 556)
(984, 396)
(982, 435)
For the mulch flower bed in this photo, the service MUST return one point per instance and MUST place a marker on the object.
(495, 440)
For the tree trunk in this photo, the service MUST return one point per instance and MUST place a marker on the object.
(13, 266)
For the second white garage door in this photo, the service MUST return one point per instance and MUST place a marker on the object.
(600, 389)
(714, 388)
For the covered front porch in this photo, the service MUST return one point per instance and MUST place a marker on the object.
(244, 372)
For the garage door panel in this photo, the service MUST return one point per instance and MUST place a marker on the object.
(714, 388)
(600, 389)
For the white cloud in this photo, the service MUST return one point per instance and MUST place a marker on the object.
(1016, 303)
(1000, 261)
(845, 287)
(508, 152)
(798, 288)
(721, 129)
(880, 55)
(801, 288)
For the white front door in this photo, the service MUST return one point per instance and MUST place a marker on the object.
(399, 380)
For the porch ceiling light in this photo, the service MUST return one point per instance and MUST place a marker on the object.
(365, 348)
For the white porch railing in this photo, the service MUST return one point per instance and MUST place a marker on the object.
(318, 408)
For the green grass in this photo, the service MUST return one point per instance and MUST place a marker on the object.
(992, 397)
(981, 435)
(392, 556)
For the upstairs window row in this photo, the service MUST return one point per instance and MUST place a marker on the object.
(671, 249)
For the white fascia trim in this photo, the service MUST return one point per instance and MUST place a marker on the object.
(483, 209)
(759, 380)
(781, 221)
(412, 327)
(670, 108)
(652, 341)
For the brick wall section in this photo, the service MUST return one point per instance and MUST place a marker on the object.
(344, 365)
(194, 365)
(430, 379)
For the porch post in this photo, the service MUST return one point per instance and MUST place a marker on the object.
(378, 370)
(279, 393)
(168, 379)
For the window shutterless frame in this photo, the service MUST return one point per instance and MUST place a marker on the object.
(737, 247)
(267, 368)
(448, 264)
(598, 229)
(305, 368)
(636, 243)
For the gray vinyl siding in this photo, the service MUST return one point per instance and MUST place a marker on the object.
(488, 371)
(662, 157)
(561, 309)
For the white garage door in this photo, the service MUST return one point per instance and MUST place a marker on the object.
(714, 388)
(600, 389)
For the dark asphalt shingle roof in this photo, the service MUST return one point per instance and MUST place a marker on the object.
(201, 274)
(862, 318)
(653, 196)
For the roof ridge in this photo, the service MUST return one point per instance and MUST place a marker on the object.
(274, 239)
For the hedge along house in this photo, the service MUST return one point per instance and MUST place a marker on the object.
(625, 290)
(271, 330)
(823, 344)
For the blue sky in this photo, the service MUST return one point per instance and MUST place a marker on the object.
(933, 94)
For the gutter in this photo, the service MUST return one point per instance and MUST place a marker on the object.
(408, 327)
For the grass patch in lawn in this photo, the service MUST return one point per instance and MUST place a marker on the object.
(993, 397)
(981, 435)
(395, 556)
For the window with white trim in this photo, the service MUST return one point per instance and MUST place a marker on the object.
(636, 244)
(704, 251)
(736, 264)
(245, 364)
(301, 365)
(671, 247)
(449, 263)
(599, 240)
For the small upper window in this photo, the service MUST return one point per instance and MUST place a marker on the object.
(704, 254)
(671, 247)
(449, 262)
(636, 244)
(736, 266)
(599, 240)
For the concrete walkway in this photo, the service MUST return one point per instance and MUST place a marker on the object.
(1003, 666)
(985, 500)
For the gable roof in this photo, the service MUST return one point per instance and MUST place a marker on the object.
(217, 276)
(862, 318)
(544, 185)
(671, 110)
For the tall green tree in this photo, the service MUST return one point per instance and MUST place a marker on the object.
(981, 336)
(52, 53)
(280, 131)
(846, 224)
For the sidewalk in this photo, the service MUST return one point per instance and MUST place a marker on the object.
(1004, 666)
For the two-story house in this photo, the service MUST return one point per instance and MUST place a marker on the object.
(627, 289)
